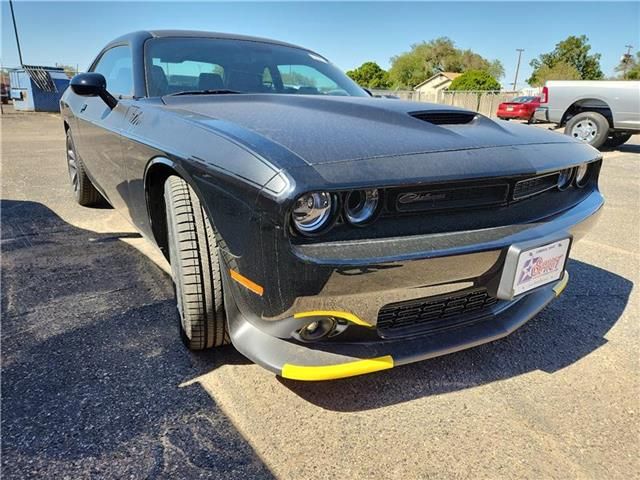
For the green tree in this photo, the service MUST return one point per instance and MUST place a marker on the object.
(408, 70)
(68, 69)
(426, 59)
(297, 79)
(473, 61)
(631, 65)
(475, 80)
(370, 75)
(572, 51)
(560, 71)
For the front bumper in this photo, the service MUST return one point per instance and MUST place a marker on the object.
(368, 275)
(314, 362)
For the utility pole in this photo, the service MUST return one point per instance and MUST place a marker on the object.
(15, 29)
(8, 93)
(626, 59)
(515, 80)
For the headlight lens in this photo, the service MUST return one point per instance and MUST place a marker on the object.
(581, 175)
(564, 180)
(361, 206)
(312, 212)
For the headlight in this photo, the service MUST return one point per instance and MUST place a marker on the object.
(564, 179)
(312, 212)
(581, 175)
(361, 206)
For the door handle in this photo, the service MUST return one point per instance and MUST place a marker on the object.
(84, 107)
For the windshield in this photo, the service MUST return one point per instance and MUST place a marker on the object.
(176, 65)
(522, 99)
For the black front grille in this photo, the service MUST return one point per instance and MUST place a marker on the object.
(535, 185)
(432, 314)
(437, 198)
(439, 117)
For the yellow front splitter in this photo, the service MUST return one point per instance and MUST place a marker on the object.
(561, 285)
(332, 372)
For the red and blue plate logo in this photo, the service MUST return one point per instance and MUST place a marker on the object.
(535, 267)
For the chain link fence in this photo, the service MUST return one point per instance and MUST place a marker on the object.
(484, 102)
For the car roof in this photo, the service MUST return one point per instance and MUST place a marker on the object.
(136, 41)
(145, 34)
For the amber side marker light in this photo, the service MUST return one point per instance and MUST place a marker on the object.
(245, 282)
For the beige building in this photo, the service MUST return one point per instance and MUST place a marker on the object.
(438, 82)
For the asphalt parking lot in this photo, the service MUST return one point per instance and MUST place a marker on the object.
(95, 381)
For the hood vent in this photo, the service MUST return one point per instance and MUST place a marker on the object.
(440, 117)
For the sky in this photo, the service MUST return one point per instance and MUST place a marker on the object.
(347, 33)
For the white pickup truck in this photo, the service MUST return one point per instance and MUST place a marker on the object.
(602, 113)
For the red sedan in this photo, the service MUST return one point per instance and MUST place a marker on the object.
(519, 107)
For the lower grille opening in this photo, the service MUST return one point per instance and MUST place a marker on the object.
(434, 314)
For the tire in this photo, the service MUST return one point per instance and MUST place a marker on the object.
(617, 139)
(590, 127)
(83, 190)
(531, 120)
(195, 268)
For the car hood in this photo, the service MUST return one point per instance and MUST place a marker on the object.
(332, 129)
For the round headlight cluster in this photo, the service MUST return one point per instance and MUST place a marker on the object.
(582, 175)
(313, 212)
(361, 206)
(577, 175)
(564, 178)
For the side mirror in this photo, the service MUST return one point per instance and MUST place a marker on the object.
(92, 85)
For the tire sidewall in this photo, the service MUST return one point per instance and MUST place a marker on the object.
(195, 267)
(176, 270)
(71, 143)
(601, 123)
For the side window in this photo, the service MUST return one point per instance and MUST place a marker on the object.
(117, 68)
(267, 80)
(305, 79)
(167, 77)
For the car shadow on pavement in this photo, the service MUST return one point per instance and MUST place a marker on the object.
(628, 148)
(91, 365)
(567, 330)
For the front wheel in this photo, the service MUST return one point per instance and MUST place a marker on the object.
(590, 127)
(195, 267)
(83, 190)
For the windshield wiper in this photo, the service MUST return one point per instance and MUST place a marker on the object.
(217, 91)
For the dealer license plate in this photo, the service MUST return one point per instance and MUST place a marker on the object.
(541, 265)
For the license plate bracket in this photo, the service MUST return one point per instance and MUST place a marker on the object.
(532, 265)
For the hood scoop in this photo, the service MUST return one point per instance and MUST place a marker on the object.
(445, 117)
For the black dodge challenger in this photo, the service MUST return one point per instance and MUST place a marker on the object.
(323, 232)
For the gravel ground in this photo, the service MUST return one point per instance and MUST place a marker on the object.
(95, 381)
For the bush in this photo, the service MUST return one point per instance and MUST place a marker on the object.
(370, 75)
(475, 80)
